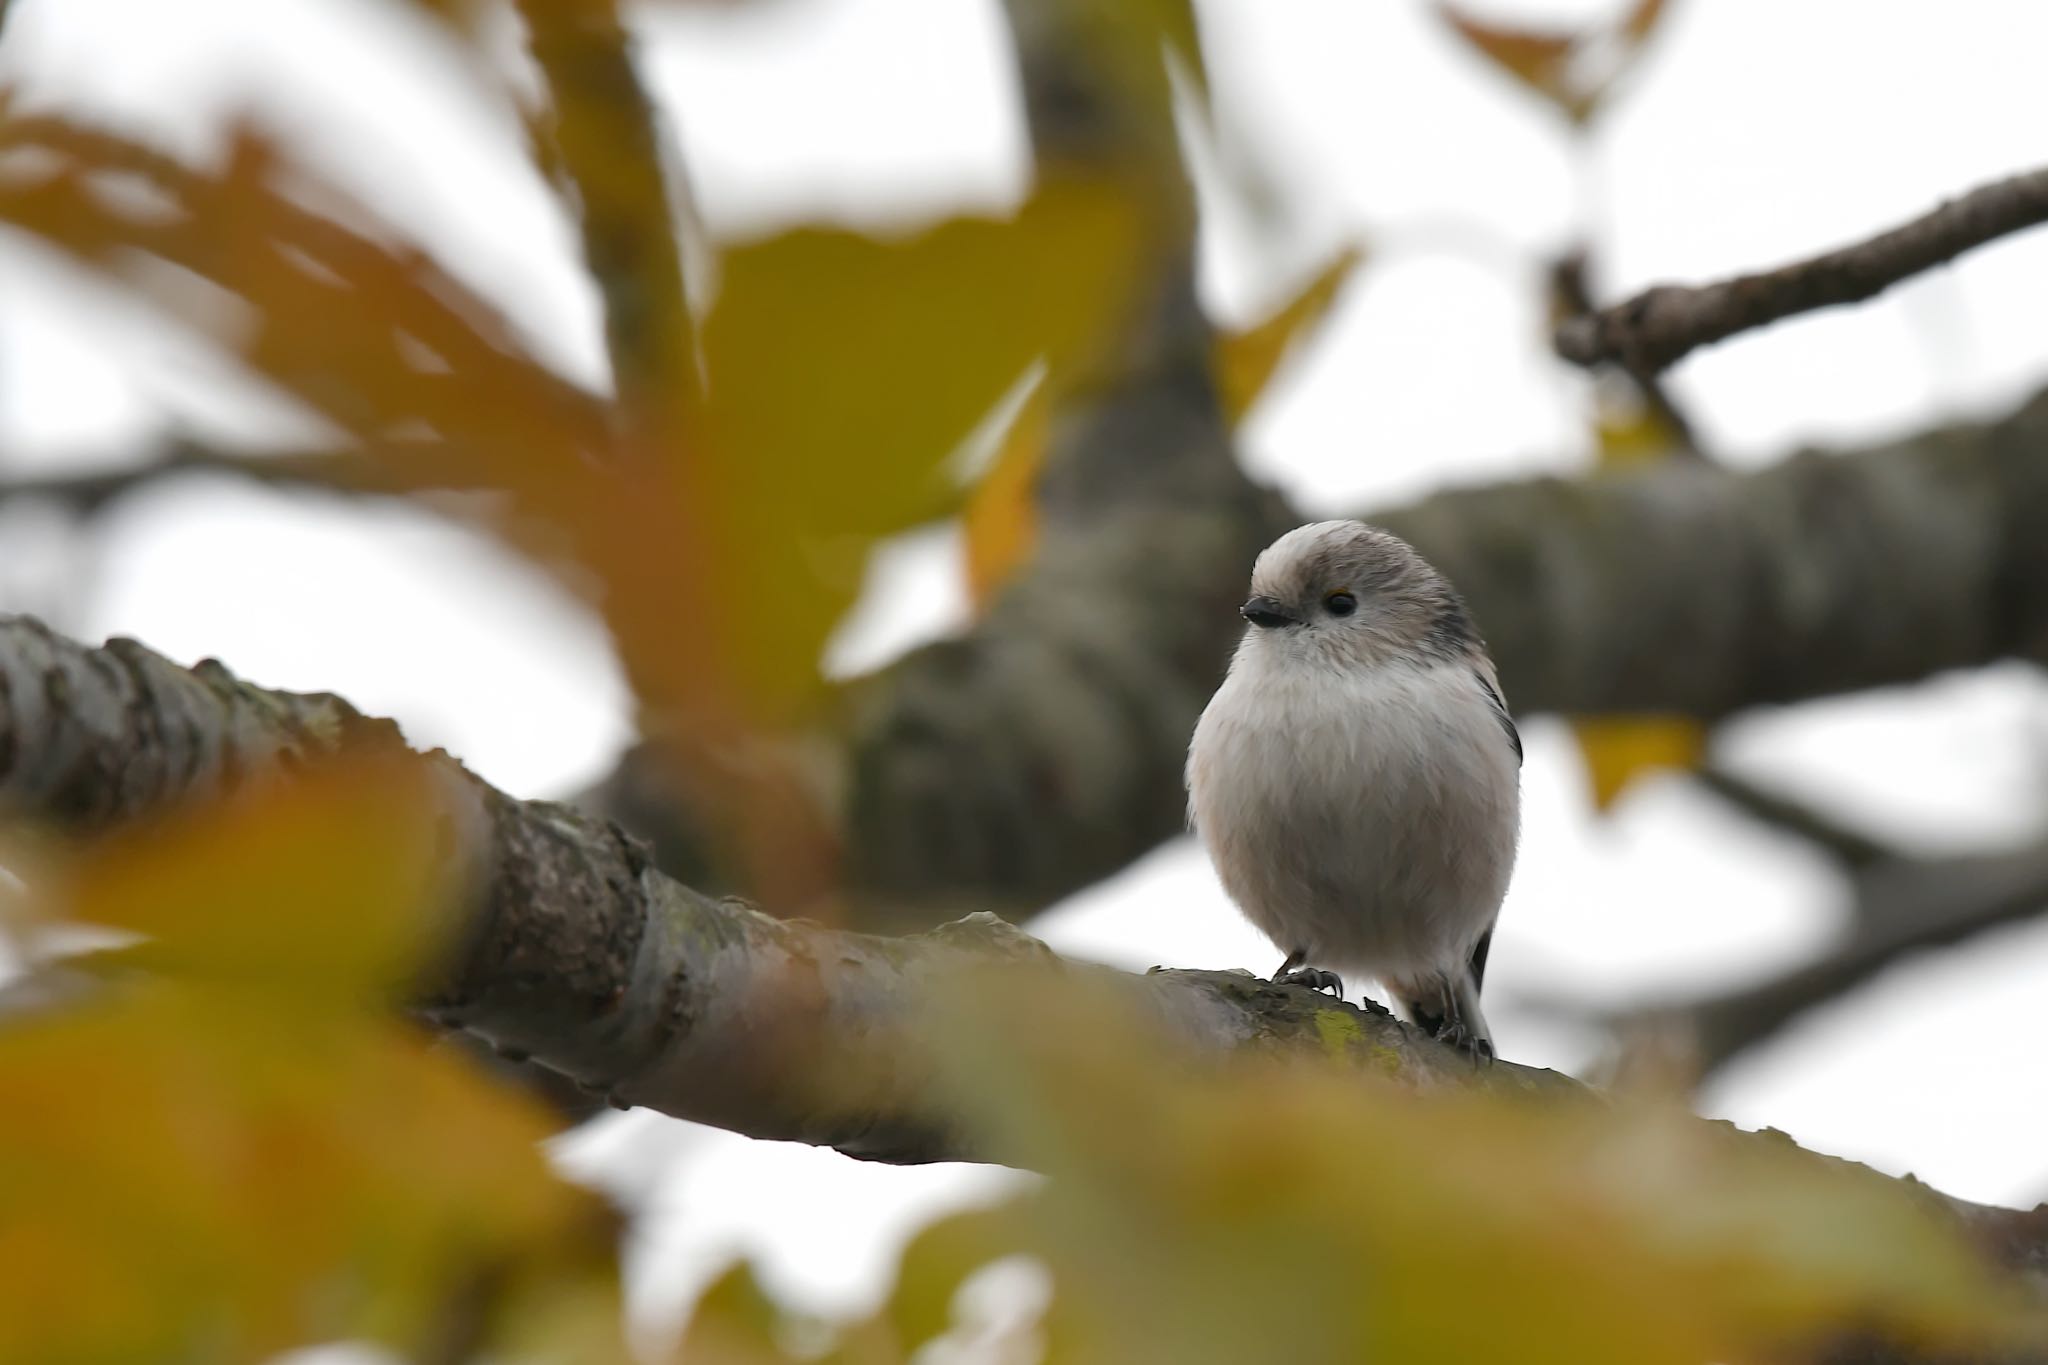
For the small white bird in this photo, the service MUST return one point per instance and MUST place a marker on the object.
(1356, 778)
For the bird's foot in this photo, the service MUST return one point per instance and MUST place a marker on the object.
(1315, 978)
(1455, 1034)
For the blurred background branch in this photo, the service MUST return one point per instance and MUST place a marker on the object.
(1897, 908)
(90, 491)
(601, 135)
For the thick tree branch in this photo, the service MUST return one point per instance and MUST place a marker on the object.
(575, 951)
(1660, 325)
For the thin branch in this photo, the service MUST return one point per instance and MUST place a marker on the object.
(1852, 849)
(573, 951)
(1901, 909)
(602, 141)
(87, 492)
(1657, 327)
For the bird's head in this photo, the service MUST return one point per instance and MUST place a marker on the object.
(1343, 593)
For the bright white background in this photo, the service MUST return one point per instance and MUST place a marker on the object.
(1752, 131)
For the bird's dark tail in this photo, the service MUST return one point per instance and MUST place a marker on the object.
(1447, 1007)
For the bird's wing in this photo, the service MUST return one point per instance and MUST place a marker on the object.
(1484, 672)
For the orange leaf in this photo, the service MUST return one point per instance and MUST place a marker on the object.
(1538, 60)
(1000, 521)
(1572, 70)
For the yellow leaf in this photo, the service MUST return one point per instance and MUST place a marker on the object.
(1630, 431)
(244, 1148)
(206, 1174)
(937, 1262)
(733, 1323)
(325, 888)
(1619, 749)
(1246, 361)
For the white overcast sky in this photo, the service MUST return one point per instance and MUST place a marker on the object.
(1753, 131)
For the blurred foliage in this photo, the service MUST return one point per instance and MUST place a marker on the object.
(1311, 1211)
(233, 1144)
(1619, 750)
(722, 535)
(1246, 361)
(1573, 70)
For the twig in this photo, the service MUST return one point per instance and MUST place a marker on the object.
(604, 147)
(1902, 909)
(1852, 849)
(338, 471)
(1657, 327)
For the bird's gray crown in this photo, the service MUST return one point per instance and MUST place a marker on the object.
(1402, 603)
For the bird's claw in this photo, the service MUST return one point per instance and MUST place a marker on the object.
(1454, 1034)
(1315, 978)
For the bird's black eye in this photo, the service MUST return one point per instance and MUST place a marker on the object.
(1341, 603)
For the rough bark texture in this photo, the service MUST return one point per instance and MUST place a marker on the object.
(576, 952)
(1660, 325)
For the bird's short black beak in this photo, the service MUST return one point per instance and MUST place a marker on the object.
(1268, 612)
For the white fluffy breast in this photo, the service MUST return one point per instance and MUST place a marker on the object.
(1364, 815)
